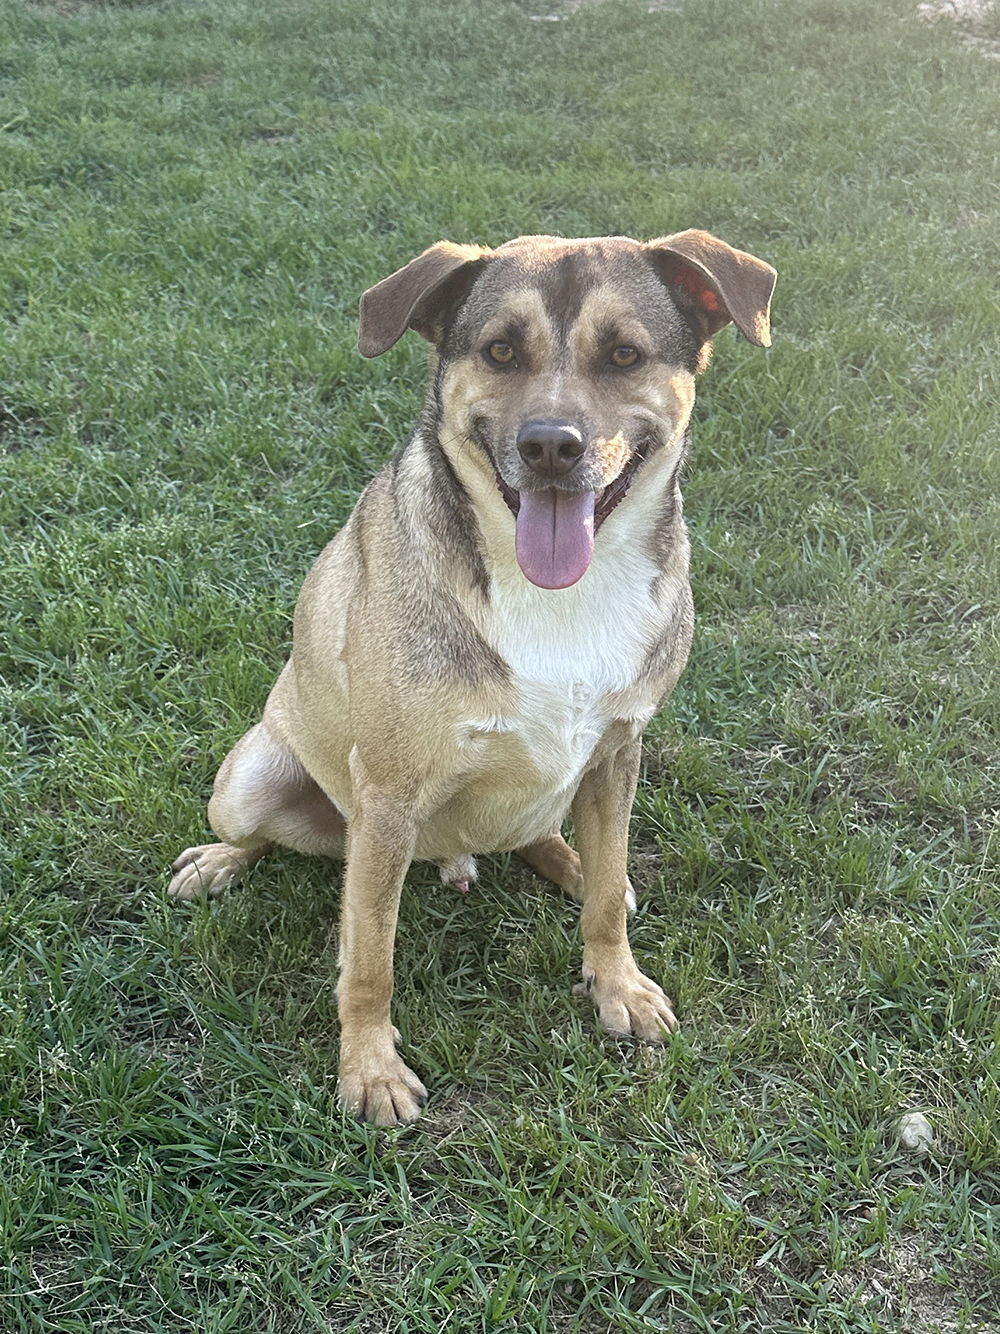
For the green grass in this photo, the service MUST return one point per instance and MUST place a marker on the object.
(194, 196)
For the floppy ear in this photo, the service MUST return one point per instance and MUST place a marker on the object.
(418, 295)
(714, 283)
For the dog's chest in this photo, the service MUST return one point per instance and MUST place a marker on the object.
(575, 658)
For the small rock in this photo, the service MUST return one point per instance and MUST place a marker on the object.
(914, 1132)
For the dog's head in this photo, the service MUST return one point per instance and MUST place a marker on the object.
(568, 364)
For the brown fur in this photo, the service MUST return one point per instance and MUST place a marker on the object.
(437, 704)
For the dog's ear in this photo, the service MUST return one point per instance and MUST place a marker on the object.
(418, 296)
(713, 284)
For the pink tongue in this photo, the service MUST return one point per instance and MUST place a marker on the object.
(554, 536)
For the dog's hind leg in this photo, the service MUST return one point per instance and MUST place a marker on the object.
(210, 868)
(554, 859)
(262, 796)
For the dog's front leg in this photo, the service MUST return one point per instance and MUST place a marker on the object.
(374, 1082)
(628, 1002)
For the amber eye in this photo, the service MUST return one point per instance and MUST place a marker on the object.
(501, 353)
(625, 355)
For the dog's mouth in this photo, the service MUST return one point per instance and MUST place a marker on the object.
(554, 529)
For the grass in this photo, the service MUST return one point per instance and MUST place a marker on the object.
(194, 196)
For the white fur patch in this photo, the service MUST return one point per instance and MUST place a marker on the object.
(595, 634)
(569, 652)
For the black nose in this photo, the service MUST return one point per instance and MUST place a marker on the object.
(550, 448)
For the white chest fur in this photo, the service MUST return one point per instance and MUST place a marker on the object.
(573, 655)
(594, 634)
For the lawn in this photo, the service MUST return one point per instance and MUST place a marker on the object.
(195, 193)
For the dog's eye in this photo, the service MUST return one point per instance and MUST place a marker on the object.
(625, 355)
(501, 353)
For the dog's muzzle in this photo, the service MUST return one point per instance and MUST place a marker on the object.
(554, 528)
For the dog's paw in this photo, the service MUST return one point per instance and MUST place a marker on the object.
(461, 872)
(629, 1005)
(385, 1093)
(208, 870)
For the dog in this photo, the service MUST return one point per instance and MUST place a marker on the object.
(478, 650)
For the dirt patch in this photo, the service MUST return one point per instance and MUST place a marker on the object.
(977, 22)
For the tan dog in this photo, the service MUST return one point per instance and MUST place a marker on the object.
(477, 651)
